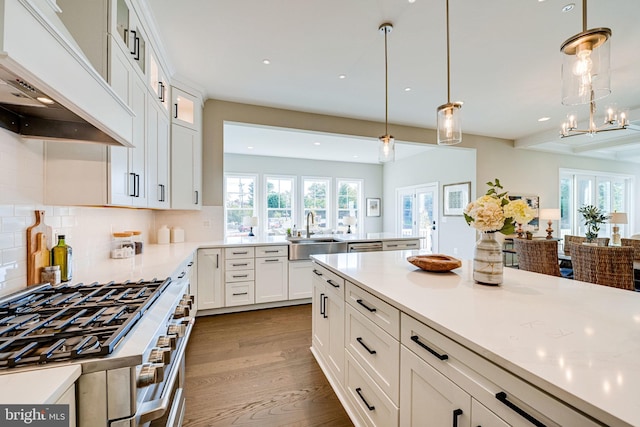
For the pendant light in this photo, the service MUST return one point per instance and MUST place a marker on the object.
(386, 152)
(585, 68)
(449, 114)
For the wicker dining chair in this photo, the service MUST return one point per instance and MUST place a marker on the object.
(635, 243)
(568, 240)
(603, 265)
(539, 256)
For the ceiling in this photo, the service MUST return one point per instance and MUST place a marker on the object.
(505, 61)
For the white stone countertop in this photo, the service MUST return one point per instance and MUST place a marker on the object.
(576, 340)
(37, 387)
(282, 240)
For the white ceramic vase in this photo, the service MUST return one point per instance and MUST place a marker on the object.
(487, 260)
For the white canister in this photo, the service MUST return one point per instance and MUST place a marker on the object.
(163, 235)
(177, 235)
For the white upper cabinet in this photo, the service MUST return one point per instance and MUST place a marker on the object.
(131, 36)
(186, 109)
(158, 81)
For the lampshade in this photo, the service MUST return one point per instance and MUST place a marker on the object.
(386, 152)
(349, 220)
(449, 117)
(250, 221)
(585, 67)
(552, 214)
(618, 218)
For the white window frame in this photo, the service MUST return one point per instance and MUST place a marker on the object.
(265, 201)
(329, 208)
(256, 199)
(360, 214)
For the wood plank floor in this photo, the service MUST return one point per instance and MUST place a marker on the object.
(255, 369)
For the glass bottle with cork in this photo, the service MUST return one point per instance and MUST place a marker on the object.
(61, 255)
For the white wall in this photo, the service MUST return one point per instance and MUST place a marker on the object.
(444, 165)
(371, 174)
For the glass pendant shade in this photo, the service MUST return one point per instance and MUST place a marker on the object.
(387, 150)
(450, 124)
(586, 74)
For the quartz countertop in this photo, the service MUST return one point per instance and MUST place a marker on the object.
(576, 340)
(283, 240)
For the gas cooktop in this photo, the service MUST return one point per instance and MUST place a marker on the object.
(54, 323)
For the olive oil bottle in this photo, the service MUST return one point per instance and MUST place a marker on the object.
(61, 255)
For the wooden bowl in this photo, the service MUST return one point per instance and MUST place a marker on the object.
(435, 262)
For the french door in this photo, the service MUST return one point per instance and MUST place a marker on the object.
(417, 209)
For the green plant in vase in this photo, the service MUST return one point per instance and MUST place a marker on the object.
(593, 219)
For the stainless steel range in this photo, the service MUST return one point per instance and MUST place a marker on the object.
(129, 338)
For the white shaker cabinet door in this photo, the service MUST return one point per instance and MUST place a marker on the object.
(210, 279)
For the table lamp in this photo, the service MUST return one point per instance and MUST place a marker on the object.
(349, 221)
(250, 221)
(550, 214)
(615, 219)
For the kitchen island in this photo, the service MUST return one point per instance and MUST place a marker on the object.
(565, 351)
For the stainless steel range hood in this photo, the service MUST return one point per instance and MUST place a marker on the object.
(39, 60)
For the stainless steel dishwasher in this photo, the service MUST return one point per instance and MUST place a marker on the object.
(364, 247)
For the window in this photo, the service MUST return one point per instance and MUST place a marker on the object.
(609, 192)
(280, 201)
(349, 201)
(315, 198)
(239, 202)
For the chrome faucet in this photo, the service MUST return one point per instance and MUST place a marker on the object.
(312, 221)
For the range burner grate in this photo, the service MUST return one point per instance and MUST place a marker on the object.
(46, 324)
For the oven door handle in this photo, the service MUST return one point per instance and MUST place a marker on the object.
(154, 409)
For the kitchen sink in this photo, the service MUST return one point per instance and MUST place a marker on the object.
(301, 248)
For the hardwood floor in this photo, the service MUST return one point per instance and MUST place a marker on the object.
(255, 368)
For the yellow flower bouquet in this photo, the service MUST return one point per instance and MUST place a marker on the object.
(495, 212)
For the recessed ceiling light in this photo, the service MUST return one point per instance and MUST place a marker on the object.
(407, 89)
(412, 1)
(44, 100)
(342, 76)
(544, 119)
(316, 143)
(266, 62)
(249, 148)
(569, 7)
(355, 156)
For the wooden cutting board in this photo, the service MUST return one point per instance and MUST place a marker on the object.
(40, 258)
(32, 245)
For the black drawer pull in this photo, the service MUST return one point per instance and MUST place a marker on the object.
(502, 397)
(416, 339)
(322, 305)
(181, 275)
(392, 246)
(333, 284)
(369, 407)
(272, 260)
(317, 272)
(271, 252)
(325, 298)
(372, 310)
(240, 253)
(456, 414)
(240, 275)
(240, 293)
(239, 265)
(190, 264)
(359, 339)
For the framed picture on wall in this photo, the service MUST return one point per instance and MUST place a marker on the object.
(533, 202)
(373, 207)
(455, 198)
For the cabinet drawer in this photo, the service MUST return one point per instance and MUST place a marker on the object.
(239, 276)
(400, 245)
(243, 252)
(334, 282)
(369, 401)
(376, 351)
(373, 308)
(503, 393)
(269, 251)
(239, 264)
(240, 293)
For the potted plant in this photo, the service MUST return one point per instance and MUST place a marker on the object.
(593, 219)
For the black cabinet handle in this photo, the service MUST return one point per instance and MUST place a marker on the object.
(137, 185)
(502, 397)
(197, 197)
(456, 414)
(333, 284)
(137, 49)
(161, 90)
(133, 184)
(190, 264)
(326, 298)
(392, 246)
(181, 275)
(240, 253)
(416, 339)
(372, 310)
(271, 252)
(240, 265)
(238, 276)
(369, 407)
(240, 293)
(317, 272)
(217, 261)
(322, 305)
(175, 109)
(272, 260)
(359, 339)
(135, 36)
